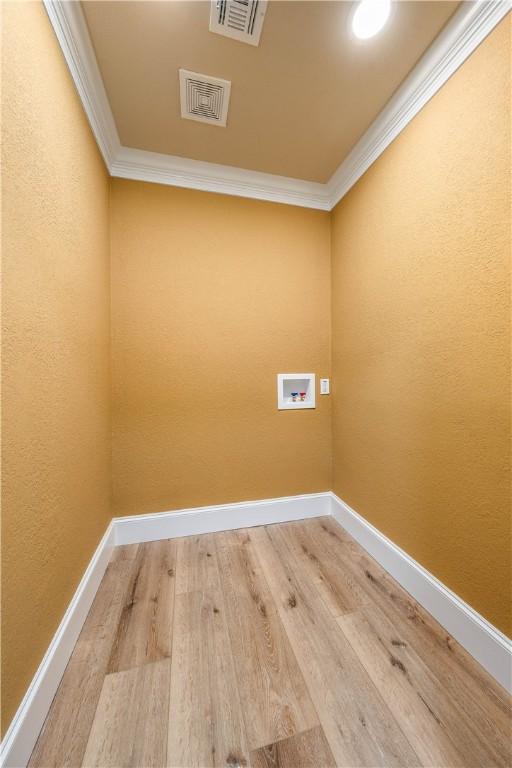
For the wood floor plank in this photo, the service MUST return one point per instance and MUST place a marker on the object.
(196, 564)
(62, 741)
(338, 589)
(144, 633)
(273, 694)
(240, 569)
(259, 662)
(124, 552)
(479, 697)
(357, 723)
(435, 725)
(304, 750)
(378, 584)
(206, 726)
(407, 691)
(130, 725)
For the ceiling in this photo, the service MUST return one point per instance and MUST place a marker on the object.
(299, 101)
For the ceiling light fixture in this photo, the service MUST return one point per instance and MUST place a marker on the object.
(369, 17)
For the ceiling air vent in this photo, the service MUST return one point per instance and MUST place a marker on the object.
(240, 19)
(204, 98)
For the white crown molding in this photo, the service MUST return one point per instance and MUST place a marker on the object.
(70, 27)
(176, 171)
(464, 32)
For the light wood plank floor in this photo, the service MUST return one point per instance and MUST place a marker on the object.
(285, 645)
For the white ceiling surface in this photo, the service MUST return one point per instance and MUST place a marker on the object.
(466, 29)
(299, 101)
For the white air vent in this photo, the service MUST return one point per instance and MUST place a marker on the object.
(239, 19)
(204, 98)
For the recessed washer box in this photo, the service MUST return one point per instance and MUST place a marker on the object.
(295, 391)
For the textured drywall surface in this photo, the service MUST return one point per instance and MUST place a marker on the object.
(421, 344)
(298, 106)
(212, 296)
(55, 430)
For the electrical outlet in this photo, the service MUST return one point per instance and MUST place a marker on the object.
(324, 386)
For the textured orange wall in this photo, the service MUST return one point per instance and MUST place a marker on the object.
(421, 336)
(212, 296)
(55, 339)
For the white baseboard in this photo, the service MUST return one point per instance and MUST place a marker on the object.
(491, 648)
(24, 729)
(222, 517)
(22, 734)
(483, 641)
